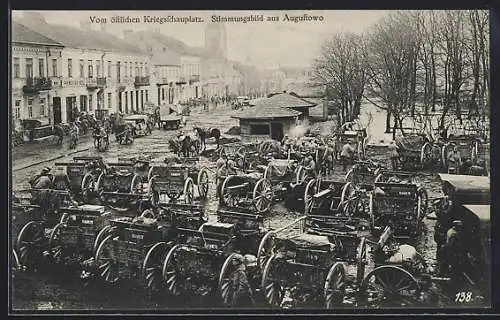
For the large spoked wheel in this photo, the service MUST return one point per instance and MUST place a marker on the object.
(423, 203)
(361, 260)
(56, 247)
(348, 192)
(390, 286)
(152, 268)
(136, 185)
(88, 186)
(103, 233)
(268, 172)
(188, 191)
(14, 261)
(301, 175)
(228, 198)
(29, 244)
(425, 155)
(203, 183)
(99, 184)
(228, 281)
(271, 283)
(106, 266)
(334, 290)
(170, 272)
(263, 195)
(310, 191)
(266, 249)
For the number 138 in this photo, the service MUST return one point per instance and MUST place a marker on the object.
(462, 296)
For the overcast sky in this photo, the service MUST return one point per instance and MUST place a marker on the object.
(266, 44)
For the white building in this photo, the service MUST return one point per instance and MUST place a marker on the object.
(166, 73)
(98, 72)
(35, 59)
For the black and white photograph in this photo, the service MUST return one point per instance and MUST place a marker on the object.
(244, 160)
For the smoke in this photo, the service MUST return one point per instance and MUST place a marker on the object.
(299, 130)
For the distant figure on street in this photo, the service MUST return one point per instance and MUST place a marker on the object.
(393, 154)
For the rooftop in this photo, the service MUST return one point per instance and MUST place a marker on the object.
(266, 111)
(287, 100)
(22, 34)
(77, 37)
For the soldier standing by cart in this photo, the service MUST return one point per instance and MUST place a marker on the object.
(393, 154)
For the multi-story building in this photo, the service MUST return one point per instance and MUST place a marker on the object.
(166, 74)
(98, 73)
(36, 63)
(170, 52)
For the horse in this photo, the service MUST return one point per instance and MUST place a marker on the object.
(206, 134)
(59, 132)
(101, 139)
(185, 147)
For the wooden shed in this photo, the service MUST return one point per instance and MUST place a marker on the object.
(291, 101)
(267, 121)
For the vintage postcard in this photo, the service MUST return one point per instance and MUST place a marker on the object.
(184, 160)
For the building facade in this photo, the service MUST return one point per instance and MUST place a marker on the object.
(35, 69)
(95, 72)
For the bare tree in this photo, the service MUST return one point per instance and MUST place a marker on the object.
(341, 69)
(393, 47)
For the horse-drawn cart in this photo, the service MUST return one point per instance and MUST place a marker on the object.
(402, 206)
(416, 151)
(248, 191)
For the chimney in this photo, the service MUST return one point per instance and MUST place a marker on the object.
(127, 33)
(85, 25)
(103, 27)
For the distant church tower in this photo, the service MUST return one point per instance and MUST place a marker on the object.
(215, 40)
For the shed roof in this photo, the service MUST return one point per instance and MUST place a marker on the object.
(23, 34)
(266, 112)
(286, 100)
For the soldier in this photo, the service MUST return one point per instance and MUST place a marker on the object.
(43, 180)
(222, 161)
(454, 161)
(346, 155)
(452, 251)
(232, 168)
(310, 166)
(393, 154)
(244, 294)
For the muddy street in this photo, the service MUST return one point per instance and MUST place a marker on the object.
(57, 289)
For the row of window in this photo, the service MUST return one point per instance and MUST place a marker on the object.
(130, 69)
(41, 109)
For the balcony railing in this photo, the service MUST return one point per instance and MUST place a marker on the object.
(96, 83)
(142, 81)
(181, 80)
(34, 85)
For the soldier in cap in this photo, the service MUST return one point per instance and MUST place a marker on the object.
(244, 294)
(310, 166)
(452, 252)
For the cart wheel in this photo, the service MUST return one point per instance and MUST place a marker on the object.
(150, 173)
(203, 183)
(390, 285)
(309, 192)
(228, 282)
(301, 175)
(88, 186)
(227, 198)
(188, 191)
(423, 203)
(107, 268)
(136, 184)
(170, 272)
(15, 264)
(103, 233)
(271, 285)
(152, 268)
(266, 249)
(98, 186)
(55, 245)
(335, 286)
(263, 195)
(29, 243)
(361, 260)
(425, 155)
(349, 176)
(348, 192)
